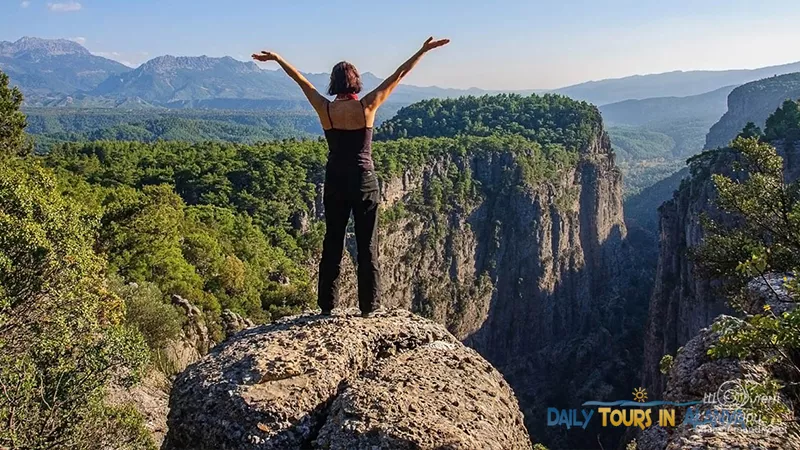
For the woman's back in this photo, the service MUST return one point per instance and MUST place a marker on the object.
(348, 114)
(349, 138)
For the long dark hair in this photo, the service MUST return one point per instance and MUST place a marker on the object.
(345, 79)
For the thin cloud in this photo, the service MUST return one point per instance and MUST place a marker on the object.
(64, 7)
(25, 4)
(108, 54)
(80, 40)
(130, 59)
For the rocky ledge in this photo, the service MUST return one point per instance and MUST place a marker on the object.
(695, 375)
(396, 381)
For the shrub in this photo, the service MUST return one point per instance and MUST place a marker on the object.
(146, 310)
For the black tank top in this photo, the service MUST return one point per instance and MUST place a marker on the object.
(349, 149)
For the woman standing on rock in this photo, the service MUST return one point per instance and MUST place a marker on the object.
(350, 181)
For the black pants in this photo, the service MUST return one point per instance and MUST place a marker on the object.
(345, 191)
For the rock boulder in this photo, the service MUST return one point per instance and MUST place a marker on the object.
(395, 381)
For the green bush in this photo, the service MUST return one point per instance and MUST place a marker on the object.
(146, 309)
(666, 364)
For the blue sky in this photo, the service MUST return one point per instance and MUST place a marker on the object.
(501, 44)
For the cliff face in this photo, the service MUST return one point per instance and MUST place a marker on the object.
(752, 102)
(514, 247)
(532, 275)
(682, 302)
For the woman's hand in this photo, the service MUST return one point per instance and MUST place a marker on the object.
(266, 56)
(430, 44)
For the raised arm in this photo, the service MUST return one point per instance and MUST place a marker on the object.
(314, 97)
(375, 98)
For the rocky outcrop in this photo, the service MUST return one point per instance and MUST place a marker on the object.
(771, 290)
(193, 341)
(393, 382)
(234, 323)
(752, 102)
(728, 385)
(693, 377)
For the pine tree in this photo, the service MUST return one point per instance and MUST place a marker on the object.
(13, 140)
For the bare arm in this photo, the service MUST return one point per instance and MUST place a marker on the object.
(315, 98)
(375, 98)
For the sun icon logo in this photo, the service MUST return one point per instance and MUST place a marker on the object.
(640, 394)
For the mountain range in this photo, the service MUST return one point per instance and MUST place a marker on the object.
(670, 84)
(61, 73)
(709, 106)
(655, 121)
(44, 67)
(64, 73)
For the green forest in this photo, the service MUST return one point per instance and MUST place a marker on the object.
(56, 125)
(645, 153)
(546, 119)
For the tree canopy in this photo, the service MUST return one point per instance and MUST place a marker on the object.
(13, 140)
(546, 119)
(784, 123)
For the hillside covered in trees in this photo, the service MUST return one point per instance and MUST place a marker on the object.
(54, 125)
(57, 125)
(653, 137)
(752, 102)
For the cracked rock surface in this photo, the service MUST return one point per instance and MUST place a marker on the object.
(396, 381)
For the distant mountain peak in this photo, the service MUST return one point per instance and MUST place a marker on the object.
(169, 64)
(39, 46)
(370, 76)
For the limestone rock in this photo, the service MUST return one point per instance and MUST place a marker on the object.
(194, 340)
(395, 381)
(694, 375)
(770, 290)
(234, 323)
(150, 398)
(195, 332)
